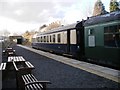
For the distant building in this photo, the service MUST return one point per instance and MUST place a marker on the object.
(52, 25)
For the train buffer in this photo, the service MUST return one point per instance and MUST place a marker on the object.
(31, 83)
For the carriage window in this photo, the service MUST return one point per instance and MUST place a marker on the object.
(50, 38)
(59, 38)
(112, 36)
(73, 37)
(44, 38)
(64, 37)
(37, 39)
(34, 39)
(54, 38)
(47, 38)
(90, 31)
(41, 39)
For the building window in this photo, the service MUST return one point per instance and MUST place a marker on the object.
(112, 36)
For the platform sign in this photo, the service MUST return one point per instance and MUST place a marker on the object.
(91, 41)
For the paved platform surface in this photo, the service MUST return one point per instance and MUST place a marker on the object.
(63, 76)
(105, 72)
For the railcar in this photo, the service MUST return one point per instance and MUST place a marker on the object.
(102, 39)
(67, 40)
(96, 39)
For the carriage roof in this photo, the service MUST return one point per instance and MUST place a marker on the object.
(103, 18)
(61, 28)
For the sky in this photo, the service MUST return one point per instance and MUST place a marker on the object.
(18, 16)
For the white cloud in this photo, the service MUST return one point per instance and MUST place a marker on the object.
(21, 15)
(16, 27)
(52, 19)
(18, 12)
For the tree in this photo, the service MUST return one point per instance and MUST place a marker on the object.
(114, 5)
(99, 8)
(27, 33)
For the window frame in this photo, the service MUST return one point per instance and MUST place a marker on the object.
(112, 36)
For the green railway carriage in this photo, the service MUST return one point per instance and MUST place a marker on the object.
(102, 39)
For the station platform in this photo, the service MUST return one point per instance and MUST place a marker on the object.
(105, 72)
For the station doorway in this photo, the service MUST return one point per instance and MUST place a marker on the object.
(16, 39)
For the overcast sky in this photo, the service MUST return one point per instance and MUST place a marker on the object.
(17, 16)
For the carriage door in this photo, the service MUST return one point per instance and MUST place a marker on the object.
(80, 42)
(80, 39)
(68, 41)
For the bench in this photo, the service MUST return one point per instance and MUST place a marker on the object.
(9, 51)
(23, 68)
(29, 64)
(31, 83)
(16, 59)
(2, 66)
(20, 70)
(16, 69)
(3, 69)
